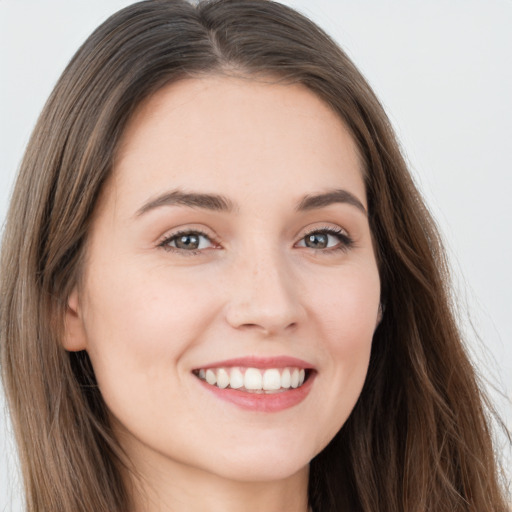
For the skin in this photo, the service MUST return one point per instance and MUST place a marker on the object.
(149, 314)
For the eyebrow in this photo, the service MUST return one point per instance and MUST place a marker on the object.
(213, 202)
(216, 202)
(312, 202)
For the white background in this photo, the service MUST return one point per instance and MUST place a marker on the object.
(442, 69)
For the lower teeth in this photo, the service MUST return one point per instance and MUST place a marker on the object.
(259, 391)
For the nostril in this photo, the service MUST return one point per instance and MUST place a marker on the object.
(266, 328)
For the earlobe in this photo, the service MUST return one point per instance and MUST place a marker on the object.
(74, 338)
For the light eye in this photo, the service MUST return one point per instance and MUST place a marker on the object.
(188, 241)
(320, 240)
(330, 239)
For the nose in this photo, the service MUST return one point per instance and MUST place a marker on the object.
(264, 296)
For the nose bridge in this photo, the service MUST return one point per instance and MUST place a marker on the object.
(263, 292)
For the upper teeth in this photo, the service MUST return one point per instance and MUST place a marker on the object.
(253, 379)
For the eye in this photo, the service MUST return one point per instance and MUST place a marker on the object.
(326, 238)
(188, 241)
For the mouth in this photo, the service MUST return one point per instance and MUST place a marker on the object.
(255, 380)
(258, 384)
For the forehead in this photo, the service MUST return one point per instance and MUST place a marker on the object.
(233, 133)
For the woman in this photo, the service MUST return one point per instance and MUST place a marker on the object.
(227, 281)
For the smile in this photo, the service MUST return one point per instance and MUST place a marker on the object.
(254, 380)
(258, 384)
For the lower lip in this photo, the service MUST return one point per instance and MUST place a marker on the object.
(262, 402)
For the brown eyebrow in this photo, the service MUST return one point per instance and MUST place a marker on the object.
(220, 203)
(312, 202)
(191, 199)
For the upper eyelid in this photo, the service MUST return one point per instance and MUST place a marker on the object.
(339, 232)
(168, 235)
(300, 234)
(336, 228)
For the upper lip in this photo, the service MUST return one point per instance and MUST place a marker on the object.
(260, 362)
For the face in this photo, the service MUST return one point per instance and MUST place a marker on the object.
(230, 290)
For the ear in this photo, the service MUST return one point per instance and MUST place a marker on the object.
(380, 314)
(74, 338)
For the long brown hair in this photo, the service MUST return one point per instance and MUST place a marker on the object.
(419, 437)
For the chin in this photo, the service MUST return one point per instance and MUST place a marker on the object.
(263, 471)
(263, 462)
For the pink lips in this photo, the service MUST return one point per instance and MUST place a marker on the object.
(262, 402)
(261, 362)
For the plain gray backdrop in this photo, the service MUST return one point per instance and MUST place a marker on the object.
(443, 71)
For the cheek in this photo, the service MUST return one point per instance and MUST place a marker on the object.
(346, 305)
(354, 316)
(346, 316)
(141, 326)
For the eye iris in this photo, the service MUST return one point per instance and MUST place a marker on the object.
(189, 241)
(316, 240)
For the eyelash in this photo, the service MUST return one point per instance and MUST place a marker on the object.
(164, 244)
(345, 241)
